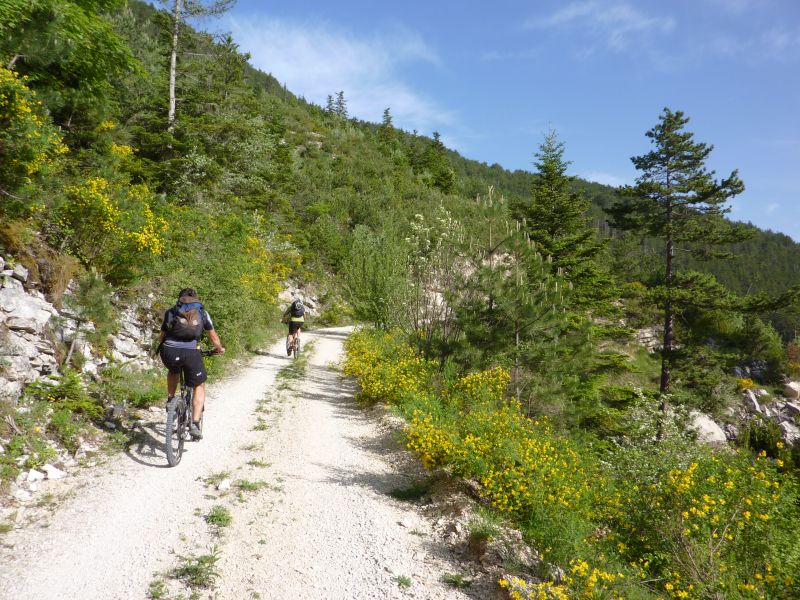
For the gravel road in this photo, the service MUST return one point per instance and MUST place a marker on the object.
(318, 522)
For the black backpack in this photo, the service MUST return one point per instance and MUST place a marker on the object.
(297, 309)
(186, 324)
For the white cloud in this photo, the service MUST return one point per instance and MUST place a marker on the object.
(781, 42)
(603, 178)
(739, 7)
(778, 43)
(615, 23)
(316, 59)
(772, 207)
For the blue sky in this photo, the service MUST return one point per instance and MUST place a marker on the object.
(493, 78)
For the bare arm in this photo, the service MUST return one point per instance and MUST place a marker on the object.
(212, 333)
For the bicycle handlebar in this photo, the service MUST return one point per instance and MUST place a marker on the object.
(209, 353)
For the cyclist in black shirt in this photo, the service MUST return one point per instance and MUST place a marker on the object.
(182, 328)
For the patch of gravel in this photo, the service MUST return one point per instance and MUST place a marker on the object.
(322, 525)
(131, 516)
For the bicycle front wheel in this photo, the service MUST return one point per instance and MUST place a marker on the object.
(175, 431)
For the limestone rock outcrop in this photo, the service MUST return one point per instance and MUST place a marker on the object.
(34, 335)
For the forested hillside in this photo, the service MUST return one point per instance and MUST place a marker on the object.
(299, 177)
(512, 297)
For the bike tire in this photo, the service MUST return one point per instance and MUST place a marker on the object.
(174, 431)
(296, 349)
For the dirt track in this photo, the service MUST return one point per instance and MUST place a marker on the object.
(320, 524)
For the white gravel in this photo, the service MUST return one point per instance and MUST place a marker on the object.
(322, 527)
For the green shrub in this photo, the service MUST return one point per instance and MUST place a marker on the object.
(30, 141)
(237, 277)
(219, 517)
(198, 571)
(67, 393)
(61, 408)
(640, 520)
(336, 312)
(134, 389)
(66, 427)
(762, 434)
(704, 524)
(456, 580)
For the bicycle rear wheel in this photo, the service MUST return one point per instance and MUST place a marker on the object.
(175, 431)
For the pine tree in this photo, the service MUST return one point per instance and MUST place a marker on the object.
(386, 132)
(556, 219)
(434, 160)
(340, 105)
(181, 9)
(510, 305)
(677, 200)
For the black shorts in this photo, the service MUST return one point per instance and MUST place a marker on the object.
(294, 326)
(190, 361)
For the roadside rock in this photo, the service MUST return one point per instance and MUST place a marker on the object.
(752, 402)
(310, 300)
(791, 432)
(509, 548)
(791, 389)
(53, 472)
(707, 430)
(792, 409)
(10, 389)
(125, 346)
(32, 329)
(224, 485)
(20, 273)
(22, 495)
(649, 337)
(34, 475)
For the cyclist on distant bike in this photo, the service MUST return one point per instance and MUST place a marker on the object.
(182, 328)
(294, 315)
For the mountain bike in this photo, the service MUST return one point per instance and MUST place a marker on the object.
(179, 418)
(294, 348)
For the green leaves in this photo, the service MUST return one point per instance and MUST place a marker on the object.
(70, 53)
(375, 278)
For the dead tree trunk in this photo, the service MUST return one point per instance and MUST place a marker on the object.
(173, 63)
